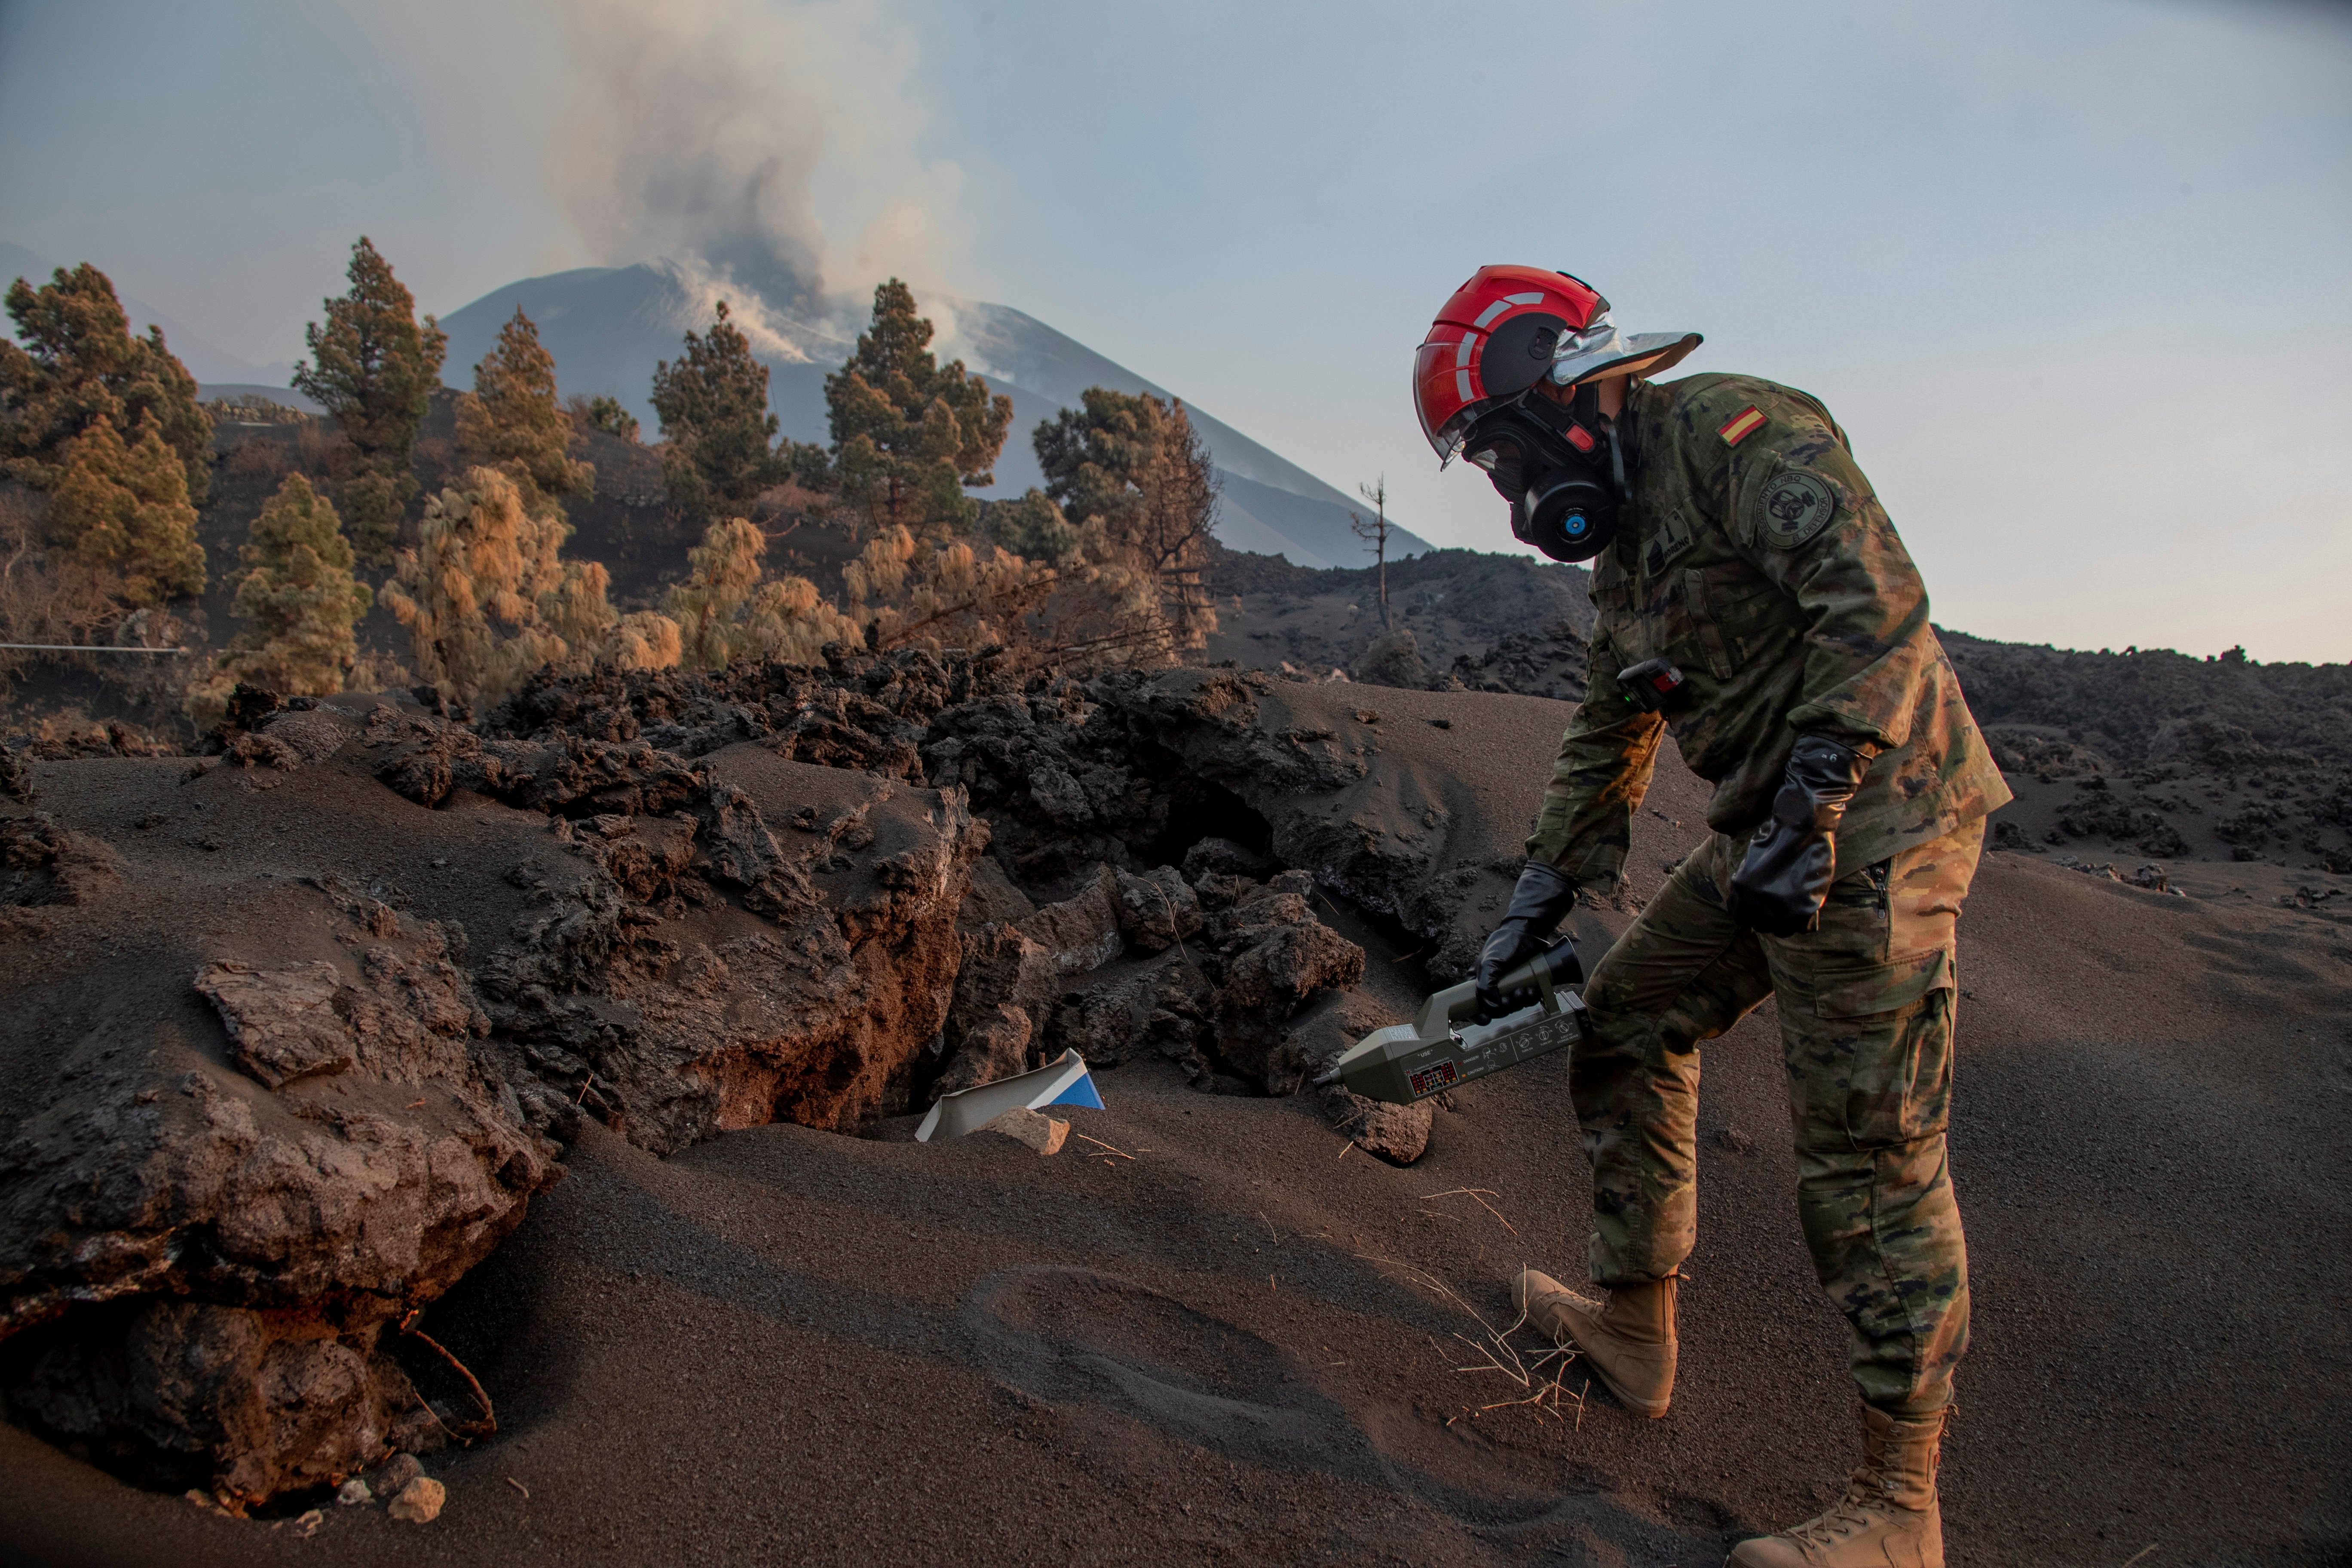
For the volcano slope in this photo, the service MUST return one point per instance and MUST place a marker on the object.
(1216, 1326)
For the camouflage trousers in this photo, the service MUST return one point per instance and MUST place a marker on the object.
(1866, 1007)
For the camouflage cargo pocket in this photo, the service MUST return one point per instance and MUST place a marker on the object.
(1858, 906)
(1885, 1037)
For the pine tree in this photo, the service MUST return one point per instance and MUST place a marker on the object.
(954, 596)
(644, 639)
(713, 407)
(298, 593)
(79, 364)
(375, 368)
(487, 595)
(511, 421)
(609, 416)
(1138, 467)
(726, 611)
(721, 572)
(909, 433)
(121, 513)
(1032, 527)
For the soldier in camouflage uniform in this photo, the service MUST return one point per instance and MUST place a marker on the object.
(1752, 600)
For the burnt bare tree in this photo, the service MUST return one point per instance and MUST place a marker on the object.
(1374, 532)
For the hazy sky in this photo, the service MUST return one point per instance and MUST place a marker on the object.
(2077, 278)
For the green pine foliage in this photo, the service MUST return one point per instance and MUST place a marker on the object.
(299, 601)
(1032, 527)
(78, 363)
(1136, 468)
(609, 416)
(375, 366)
(713, 407)
(511, 422)
(909, 433)
(120, 512)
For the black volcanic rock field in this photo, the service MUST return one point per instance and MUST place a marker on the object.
(533, 1092)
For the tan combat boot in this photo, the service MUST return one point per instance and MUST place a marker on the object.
(1888, 1518)
(1630, 1343)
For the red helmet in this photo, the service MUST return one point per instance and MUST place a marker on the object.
(1508, 327)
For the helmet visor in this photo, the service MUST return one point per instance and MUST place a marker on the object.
(1446, 394)
(1601, 350)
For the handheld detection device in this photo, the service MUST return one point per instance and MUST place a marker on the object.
(1443, 1046)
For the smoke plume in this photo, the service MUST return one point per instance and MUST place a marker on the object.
(726, 135)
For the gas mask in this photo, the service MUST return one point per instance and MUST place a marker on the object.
(1561, 468)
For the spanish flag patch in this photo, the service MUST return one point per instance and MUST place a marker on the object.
(1741, 426)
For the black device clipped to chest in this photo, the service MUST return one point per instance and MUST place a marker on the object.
(1655, 685)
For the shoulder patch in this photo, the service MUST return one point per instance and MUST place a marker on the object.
(1741, 426)
(1792, 508)
(1662, 543)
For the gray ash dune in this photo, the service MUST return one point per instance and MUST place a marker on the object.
(2158, 755)
(1457, 620)
(220, 1200)
(549, 1039)
(2139, 758)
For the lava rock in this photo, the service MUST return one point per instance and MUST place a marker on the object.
(1155, 909)
(1223, 857)
(1082, 931)
(1003, 990)
(1393, 658)
(1164, 1005)
(282, 1023)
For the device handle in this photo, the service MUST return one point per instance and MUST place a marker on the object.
(1555, 966)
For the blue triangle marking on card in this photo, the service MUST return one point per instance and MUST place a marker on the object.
(1082, 1092)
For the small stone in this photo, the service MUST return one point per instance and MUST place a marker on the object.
(387, 1479)
(1039, 1131)
(1397, 1133)
(1731, 1140)
(419, 1501)
(307, 1525)
(1300, 882)
(353, 1493)
(1221, 857)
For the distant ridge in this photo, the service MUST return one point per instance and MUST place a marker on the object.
(608, 327)
(207, 361)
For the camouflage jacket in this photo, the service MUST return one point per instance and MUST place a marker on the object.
(1755, 556)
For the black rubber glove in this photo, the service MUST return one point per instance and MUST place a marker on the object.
(1539, 902)
(1780, 885)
